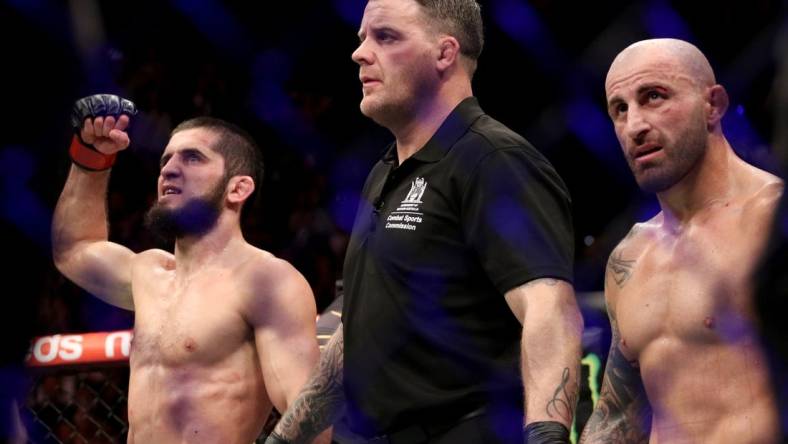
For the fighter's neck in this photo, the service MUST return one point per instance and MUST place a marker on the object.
(719, 177)
(413, 132)
(193, 253)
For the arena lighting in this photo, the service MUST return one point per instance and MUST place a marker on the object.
(20, 204)
(586, 120)
(582, 117)
(272, 103)
(218, 25)
(47, 16)
(745, 139)
(660, 20)
(523, 25)
(350, 11)
(90, 40)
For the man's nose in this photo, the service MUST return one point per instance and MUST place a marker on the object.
(362, 55)
(637, 125)
(170, 168)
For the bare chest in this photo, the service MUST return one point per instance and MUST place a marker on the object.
(200, 322)
(693, 289)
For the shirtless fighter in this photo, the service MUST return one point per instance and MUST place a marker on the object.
(222, 330)
(684, 365)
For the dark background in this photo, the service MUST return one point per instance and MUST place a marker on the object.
(284, 73)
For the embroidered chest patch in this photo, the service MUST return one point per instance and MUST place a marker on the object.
(408, 214)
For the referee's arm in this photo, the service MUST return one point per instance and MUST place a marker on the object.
(550, 348)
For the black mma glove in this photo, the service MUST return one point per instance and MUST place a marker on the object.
(98, 105)
(546, 432)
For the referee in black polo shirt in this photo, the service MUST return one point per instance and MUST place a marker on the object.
(459, 314)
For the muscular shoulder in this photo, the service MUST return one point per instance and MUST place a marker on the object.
(266, 270)
(271, 281)
(766, 196)
(622, 260)
(639, 236)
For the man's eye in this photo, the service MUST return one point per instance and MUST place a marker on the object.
(654, 95)
(620, 109)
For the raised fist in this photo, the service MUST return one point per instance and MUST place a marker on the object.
(100, 122)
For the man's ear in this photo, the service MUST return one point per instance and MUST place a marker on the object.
(239, 188)
(449, 53)
(717, 102)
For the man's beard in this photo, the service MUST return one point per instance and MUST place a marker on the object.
(684, 156)
(195, 218)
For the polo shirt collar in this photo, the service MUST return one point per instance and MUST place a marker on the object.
(454, 127)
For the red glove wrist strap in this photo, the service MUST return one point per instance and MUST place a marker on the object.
(89, 158)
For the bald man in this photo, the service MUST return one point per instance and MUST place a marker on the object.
(685, 365)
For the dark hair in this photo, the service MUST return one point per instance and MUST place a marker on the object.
(242, 156)
(461, 19)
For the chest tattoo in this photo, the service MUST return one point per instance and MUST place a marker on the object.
(620, 268)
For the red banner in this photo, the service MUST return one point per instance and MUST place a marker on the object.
(85, 348)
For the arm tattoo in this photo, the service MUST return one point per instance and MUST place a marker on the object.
(321, 400)
(564, 400)
(620, 268)
(622, 413)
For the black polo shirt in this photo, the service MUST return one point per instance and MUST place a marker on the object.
(437, 242)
